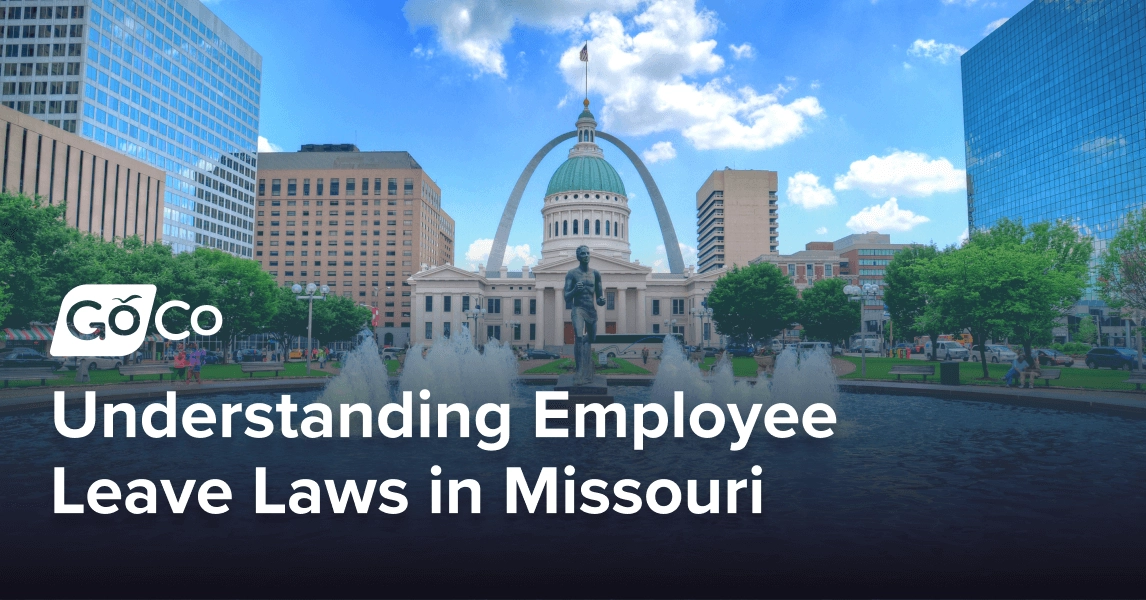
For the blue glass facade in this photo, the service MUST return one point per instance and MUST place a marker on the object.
(163, 81)
(1054, 111)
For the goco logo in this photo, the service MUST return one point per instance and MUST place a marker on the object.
(112, 320)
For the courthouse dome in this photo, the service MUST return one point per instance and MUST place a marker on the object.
(586, 173)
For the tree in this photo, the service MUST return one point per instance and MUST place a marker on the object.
(290, 316)
(1122, 270)
(753, 303)
(904, 293)
(826, 312)
(338, 318)
(1087, 330)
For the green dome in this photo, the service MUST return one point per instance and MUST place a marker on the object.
(586, 173)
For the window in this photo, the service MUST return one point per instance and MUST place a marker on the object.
(517, 332)
(678, 306)
(292, 187)
(517, 306)
(446, 325)
(791, 270)
(276, 187)
(333, 186)
(575, 222)
(318, 191)
(377, 187)
(565, 228)
(597, 227)
(305, 187)
(262, 187)
(607, 228)
(610, 301)
(493, 306)
(532, 307)
(493, 332)
(656, 327)
(656, 307)
(429, 304)
(408, 187)
(532, 331)
(349, 186)
(810, 271)
(429, 331)
(827, 270)
(446, 303)
(391, 187)
(465, 303)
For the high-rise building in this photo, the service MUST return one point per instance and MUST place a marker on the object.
(359, 222)
(105, 193)
(164, 82)
(736, 215)
(1053, 120)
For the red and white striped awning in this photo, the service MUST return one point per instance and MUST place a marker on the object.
(35, 333)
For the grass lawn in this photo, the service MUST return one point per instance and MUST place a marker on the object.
(210, 372)
(971, 373)
(392, 367)
(742, 366)
(564, 366)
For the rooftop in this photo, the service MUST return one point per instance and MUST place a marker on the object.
(327, 159)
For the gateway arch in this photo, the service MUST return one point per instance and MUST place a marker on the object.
(672, 247)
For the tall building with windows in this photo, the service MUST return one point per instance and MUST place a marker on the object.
(1053, 119)
(163, 82)
(359, 222)
(736, 218)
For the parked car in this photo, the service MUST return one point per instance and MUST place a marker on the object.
(295, 354)
(94, 362)
(803, 347)
(28, 357)
(1112, 358)
(711, 351)
(870, 344)
(1047, 357)
(539, 354)
(213, 358)
(947, 351)
(249, 355)
(740, 350)
(777, 346)
(995, 353)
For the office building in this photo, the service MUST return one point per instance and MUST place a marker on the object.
(736, 218)
(360, 222)
(105, 193)
(1053, 120)
(161, 81)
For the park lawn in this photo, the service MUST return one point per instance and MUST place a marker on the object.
(742, 366)
(971, 373)
(210, 372)
(392, 367)
(559, 367)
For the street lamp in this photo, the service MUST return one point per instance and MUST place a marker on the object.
(855, 293)
(702, 314)
(512, 325)
(474, 314)
(310, 298)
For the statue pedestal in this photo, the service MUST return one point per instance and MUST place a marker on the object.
(585, 393)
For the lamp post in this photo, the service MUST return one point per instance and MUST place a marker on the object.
(670, 324)
(474, 314)
(855, 293)
(702, 314)
(512, 325)
(310, 298)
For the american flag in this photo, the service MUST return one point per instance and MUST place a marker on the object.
(585, 53)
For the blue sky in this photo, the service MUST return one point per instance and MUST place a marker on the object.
(856, 103)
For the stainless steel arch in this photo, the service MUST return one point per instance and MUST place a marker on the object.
(672, 246)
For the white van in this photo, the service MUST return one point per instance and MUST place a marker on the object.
(947, 351)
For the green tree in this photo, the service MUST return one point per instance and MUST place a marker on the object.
(1122, 269)
(827, 314)
(290, 316)
(1087, 330)
(35, 258)
(338, 319)
(753, 303)
(904, 293)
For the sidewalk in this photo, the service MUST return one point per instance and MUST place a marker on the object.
(1070, 399)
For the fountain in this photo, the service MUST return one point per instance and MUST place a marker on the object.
(362, 378)
(453, 370)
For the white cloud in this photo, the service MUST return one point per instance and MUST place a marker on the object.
(478, 254)
(657, 70)
(937, 51)
(963, 237)
(993, 25)
(652, 73)
(744, 50)
(902, 173)
(885, 217)
(420, 52)
(476, 30)
(658, 152)
(804, 189)
(266, 146)
(821, 230)
(660, 263)
(815, 85)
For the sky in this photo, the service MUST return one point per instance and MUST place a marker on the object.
(857, 104)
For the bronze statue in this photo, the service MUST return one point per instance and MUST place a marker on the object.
(582, 288)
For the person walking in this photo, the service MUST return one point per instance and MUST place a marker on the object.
(194, 364)
(645, 355)
(180, 362)
(322, 358)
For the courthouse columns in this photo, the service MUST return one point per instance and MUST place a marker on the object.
(622, 311)
(642, 328)
(539, 318)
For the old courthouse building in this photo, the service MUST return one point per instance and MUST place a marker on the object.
(586, 202)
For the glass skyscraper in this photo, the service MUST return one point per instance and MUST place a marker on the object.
(163, 81)
(1054, 111)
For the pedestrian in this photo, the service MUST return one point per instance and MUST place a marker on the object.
(322, 358)
(180, 362)
(645, 355)
(82, 375)
(194, 364)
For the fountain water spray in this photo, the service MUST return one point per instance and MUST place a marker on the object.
(454, 371)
